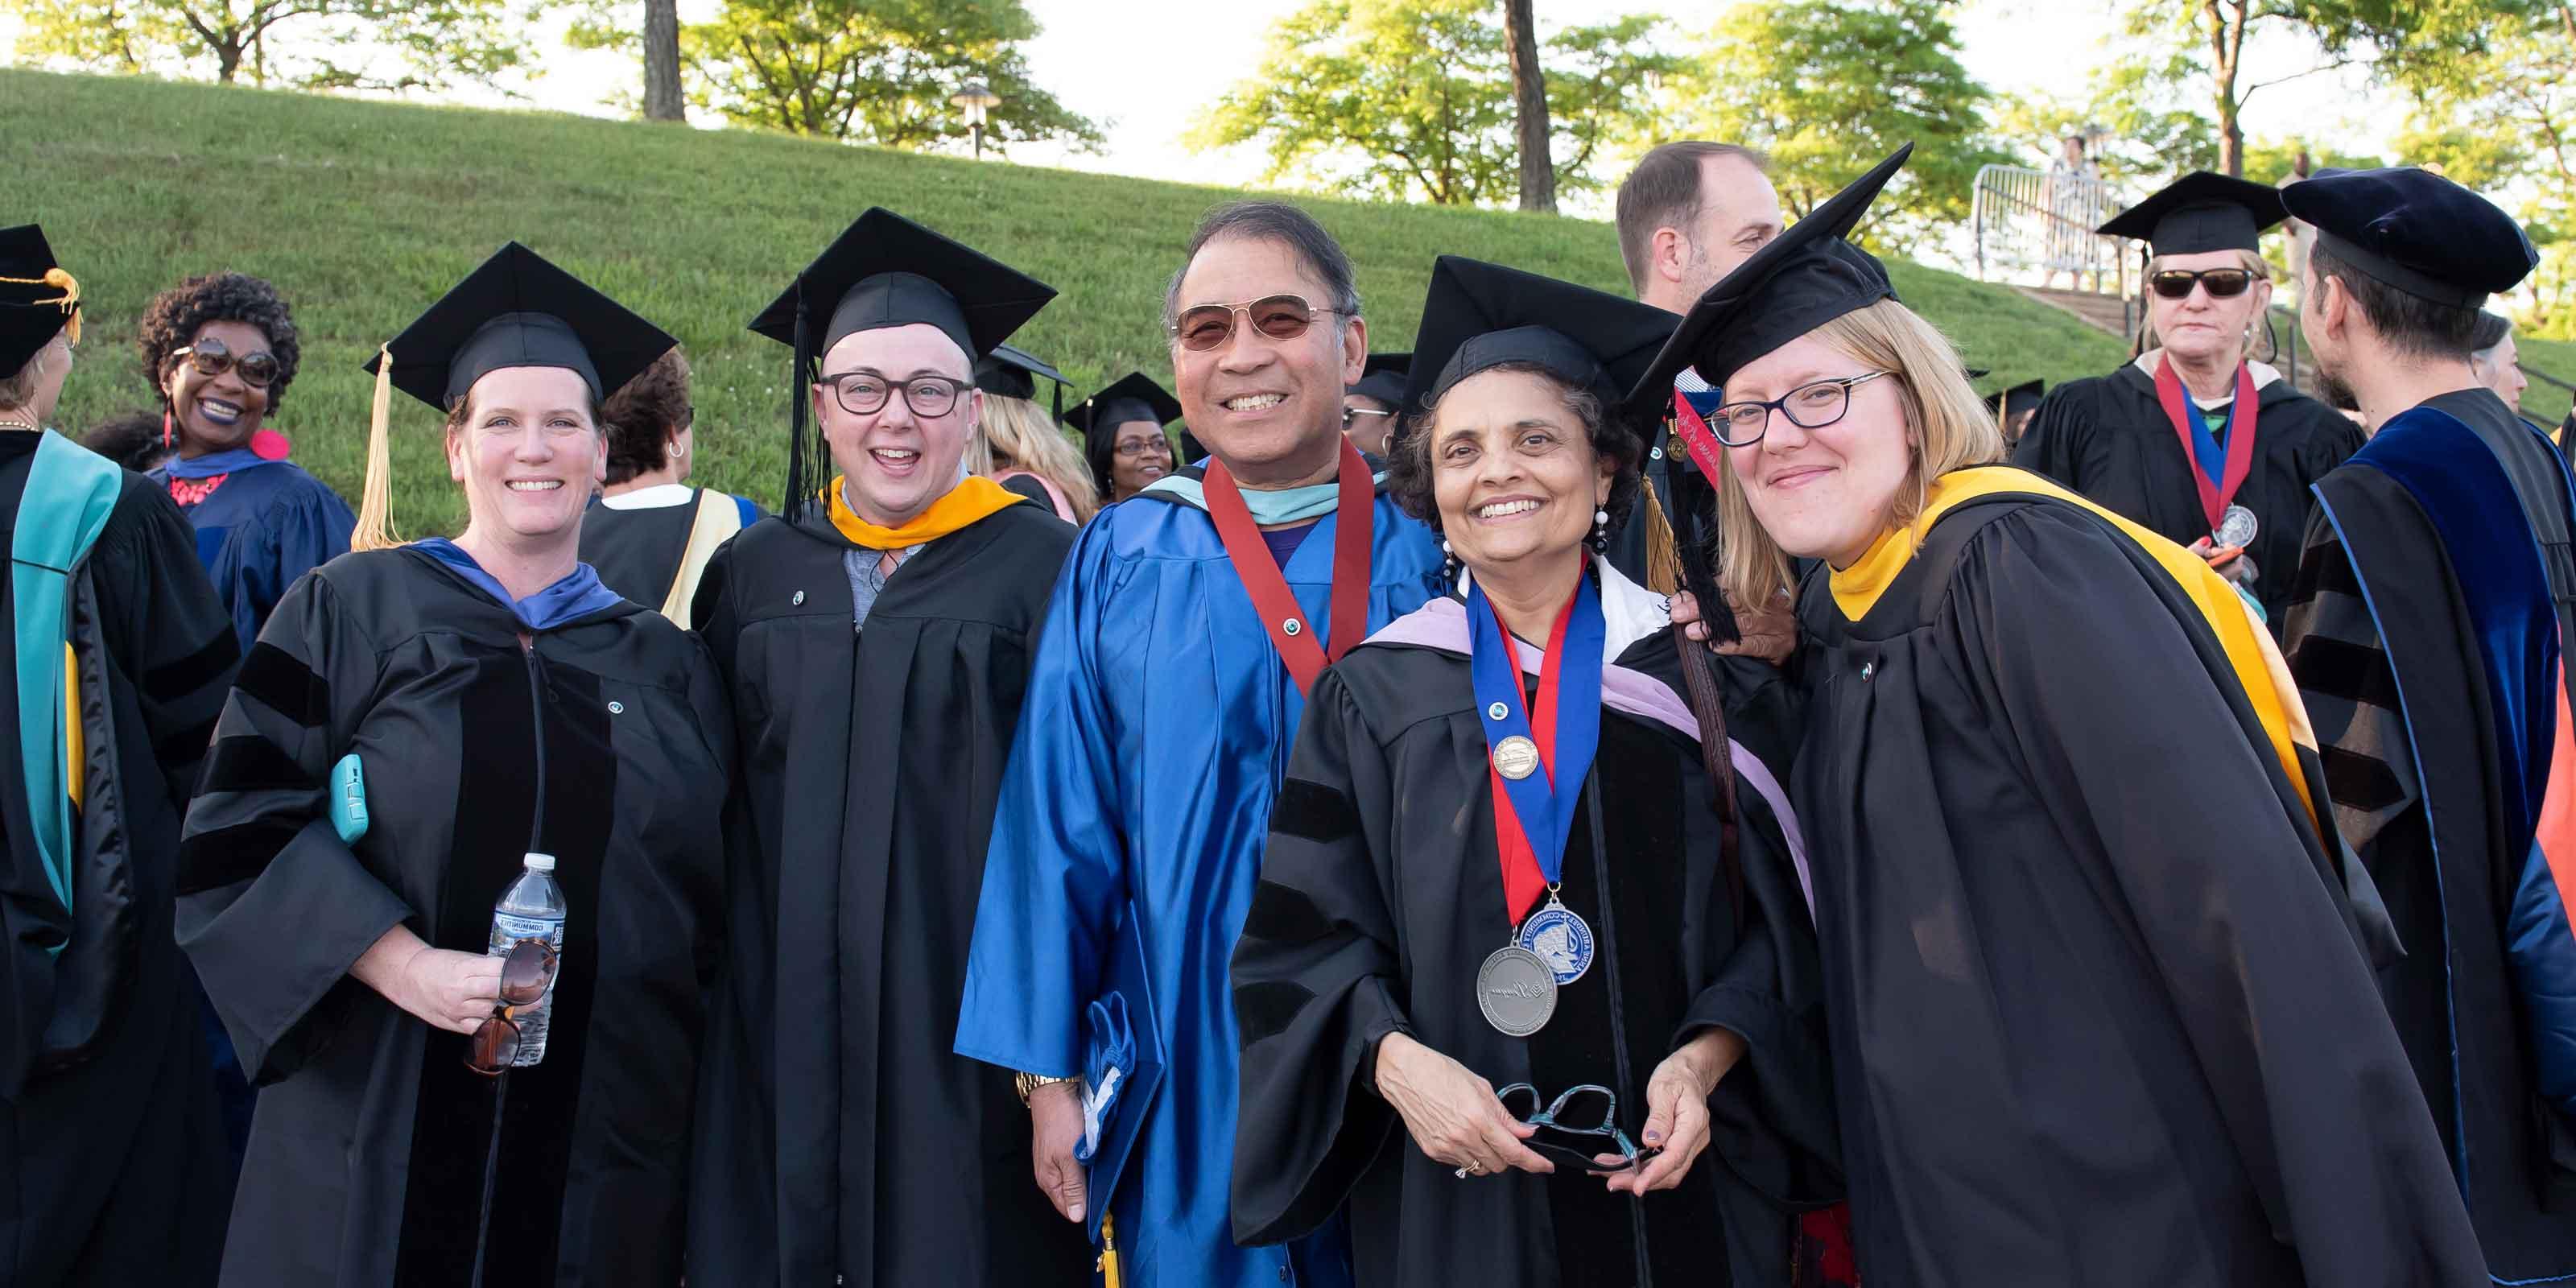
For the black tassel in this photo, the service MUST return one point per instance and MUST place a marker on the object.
(800, 484)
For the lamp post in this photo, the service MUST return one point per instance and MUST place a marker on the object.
(977, 100)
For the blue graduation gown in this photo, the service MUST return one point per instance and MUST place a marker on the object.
(268, 524)
(1155, 732)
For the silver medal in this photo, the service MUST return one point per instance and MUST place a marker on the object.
(1515, 757)
(2236, 527)
(1516, 990)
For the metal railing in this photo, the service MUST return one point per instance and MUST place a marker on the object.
(2042, 221)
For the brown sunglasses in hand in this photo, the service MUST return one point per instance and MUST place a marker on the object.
(526, 974)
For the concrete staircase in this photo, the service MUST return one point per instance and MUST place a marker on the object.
(2101, 312)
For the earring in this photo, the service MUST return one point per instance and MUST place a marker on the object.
(1449, 565)
(1601, 531)
(165, 427)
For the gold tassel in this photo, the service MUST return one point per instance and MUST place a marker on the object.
(1108, 1264)
(1663, 555)
(375, 530)
(61, 279)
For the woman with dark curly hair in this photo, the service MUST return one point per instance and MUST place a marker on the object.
(650, 534)
(219, 351)
(1640, 978)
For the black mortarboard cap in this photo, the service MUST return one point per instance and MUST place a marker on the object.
(2201, 212)
(2016, 399)
(885, 270)
(1805, 277)
(1013, 373)
(38, 297)
(1383, 379)
(517, 310)
(1477, 316)
(1134, 397)
(2415, 231)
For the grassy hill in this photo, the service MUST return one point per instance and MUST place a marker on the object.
(363, 212)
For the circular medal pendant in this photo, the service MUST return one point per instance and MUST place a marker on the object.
(1515, 757)
(2236, 527)
(1559, 938)
(1516, 991)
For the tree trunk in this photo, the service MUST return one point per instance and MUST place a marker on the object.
(662, 61)
(2226, 50)
(1529, 100)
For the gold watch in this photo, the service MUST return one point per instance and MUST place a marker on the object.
(1028, 1083)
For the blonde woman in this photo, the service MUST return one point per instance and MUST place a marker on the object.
(2191, 438)
(1023, 450)
(2096, 981)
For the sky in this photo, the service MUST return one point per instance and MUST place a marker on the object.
(1144, 73)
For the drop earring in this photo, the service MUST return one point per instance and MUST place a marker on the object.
(1449, 566)
(1601, 531)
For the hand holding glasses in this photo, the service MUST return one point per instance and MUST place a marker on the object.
(210, 358)
(1588, 1111)
(526, 973)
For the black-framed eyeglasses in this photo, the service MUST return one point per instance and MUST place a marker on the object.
(1588, 1110)
(2221, 283)
(865, 393)
(210, 358)
(1813, 405)
(526, 974)
(1202, 327)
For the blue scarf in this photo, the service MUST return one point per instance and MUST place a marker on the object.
(213, 463)
(579, 594)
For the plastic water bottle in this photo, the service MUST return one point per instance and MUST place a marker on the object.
(532, 908)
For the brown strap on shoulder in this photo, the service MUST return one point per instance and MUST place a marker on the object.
(1708, 702)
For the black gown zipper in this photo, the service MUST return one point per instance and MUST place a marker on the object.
(537, 724)
(1618, 1026)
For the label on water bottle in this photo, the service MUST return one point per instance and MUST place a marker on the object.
(508, 929)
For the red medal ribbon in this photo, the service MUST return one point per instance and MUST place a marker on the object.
(1523, 883)
(1281, 615)
(2214, 497)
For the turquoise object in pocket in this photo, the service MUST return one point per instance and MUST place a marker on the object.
(349, 799)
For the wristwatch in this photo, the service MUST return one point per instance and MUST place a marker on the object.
(1028, 1083)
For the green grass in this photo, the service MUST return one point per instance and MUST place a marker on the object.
(2543, 402)
(363, 212)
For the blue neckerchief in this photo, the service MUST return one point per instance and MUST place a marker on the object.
(212, 464)
(2205, 447)
(1290, 505)
(1542, 801)
(577, 595)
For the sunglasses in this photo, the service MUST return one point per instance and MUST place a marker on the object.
(210, 359)
(1591, 1104)
(2221, 283)
(526, 974)
(1202, 327)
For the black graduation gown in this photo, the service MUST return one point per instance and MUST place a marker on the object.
(840, 1140)
(367, 1154)
(2099, 1014)
(637, 552)
(1379, 899)
(112, 1165)
(2107, 437)
(2422, 796)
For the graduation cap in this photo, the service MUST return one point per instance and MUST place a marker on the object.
(1013, 373)
(2200, 212)
(38, 297)
(515, 310)
(2416, 231)
(1135, 396)
(886, 271)
(2017, 399)
(1805, 277)
(1383, 379)
(1477, 316)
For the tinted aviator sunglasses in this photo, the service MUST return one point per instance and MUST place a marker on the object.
(1202, 327)
(2221, 283)
(211, 358)
(526, 974)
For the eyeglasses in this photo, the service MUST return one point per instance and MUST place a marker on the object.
(2221, 283)
(1809, 406)
(211, 358)
(1135, 447)
(864, 393)
(1202, 327)
(1577, 1104)
(526, 974)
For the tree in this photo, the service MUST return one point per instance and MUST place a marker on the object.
(1828, 87)
(662, 61)
(433, 42)
(1405, 99)
(1529, 106)
(875, 71)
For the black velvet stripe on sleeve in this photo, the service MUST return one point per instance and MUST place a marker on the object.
(184, 745)
(1266, 1008)
(214, 859)
(196, 670)
(285, 685)
(2342, 669)
(2360, 782)
(1285, 915)
(1314, 812)
(250, 763)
